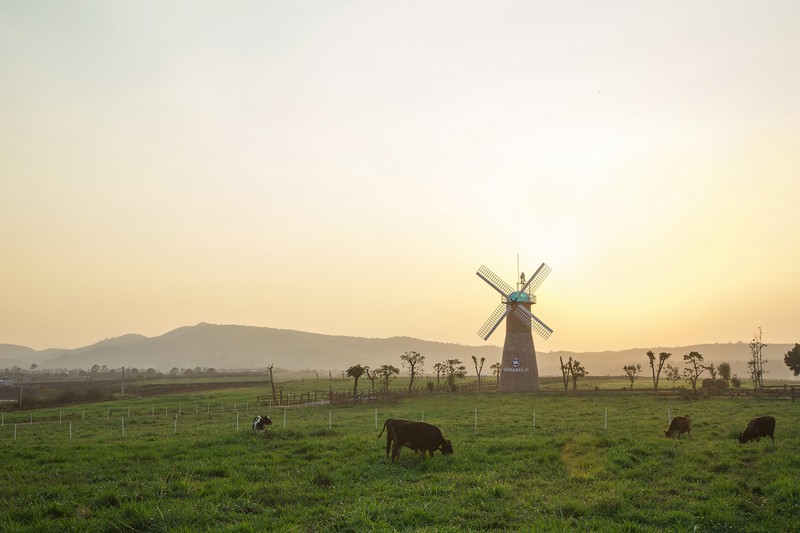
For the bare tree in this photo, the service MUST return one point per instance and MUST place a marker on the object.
(478, 368)
(371, 377)
(672, 373)
(414, 362)
(662, 358)
(439, 367)
(272, 382)
(566, 369)
(695, 368)
(631, 371)
(755, 366)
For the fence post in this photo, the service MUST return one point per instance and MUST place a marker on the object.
(123, 425)
(376, 418)
(284, 419)
(175, 428)
(605, 418)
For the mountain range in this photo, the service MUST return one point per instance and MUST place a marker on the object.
(248, 347)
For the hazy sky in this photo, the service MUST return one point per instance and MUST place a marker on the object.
(346, 167)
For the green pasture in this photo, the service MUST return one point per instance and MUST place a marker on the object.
(587, 463)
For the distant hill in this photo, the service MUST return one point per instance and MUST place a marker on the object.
(247, 347)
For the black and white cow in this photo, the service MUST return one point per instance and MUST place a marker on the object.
(260, 421)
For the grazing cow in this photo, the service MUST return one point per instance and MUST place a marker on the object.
(260, 421)
(388, 426)
(420, 437)
(678, 426)
(762, 426)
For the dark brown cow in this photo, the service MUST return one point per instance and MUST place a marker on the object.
(420, 437)
(763, 426)
(388, 426)
(261, 421)
(678, 426)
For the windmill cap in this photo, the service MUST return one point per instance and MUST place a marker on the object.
(519, 296)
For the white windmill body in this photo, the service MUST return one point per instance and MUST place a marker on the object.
(519, 371)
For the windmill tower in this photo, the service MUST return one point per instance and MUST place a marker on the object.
(518, 370)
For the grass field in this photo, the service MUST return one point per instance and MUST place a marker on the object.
(183, 465)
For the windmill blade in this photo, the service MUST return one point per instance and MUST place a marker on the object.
(493, 321)
(536, 279)
(494, 281)
(535, 324)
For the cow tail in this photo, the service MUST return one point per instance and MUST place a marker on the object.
(384, 428)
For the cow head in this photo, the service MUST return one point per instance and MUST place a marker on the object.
(447, 447)
(744, 437)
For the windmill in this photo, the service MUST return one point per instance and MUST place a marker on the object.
(518, 370)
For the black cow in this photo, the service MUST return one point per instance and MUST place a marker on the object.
(260, 421)
(420, 437)
(388, 426)
(678, 426)
(762, 426)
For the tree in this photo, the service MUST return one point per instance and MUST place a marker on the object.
(631, 371)
(414, 362)
(712, 370)
(387, 373)
(792, 359)
(34, 366)
(439, 367)
(755, 366)
(695, 368)
(565, 371)
(495, 369)
(272, 383)
(672, 373)
(724, 370)
(656, 369)
(370, 377)
(355, 372)
(578, 371)
(478, 368)
(454, 369)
